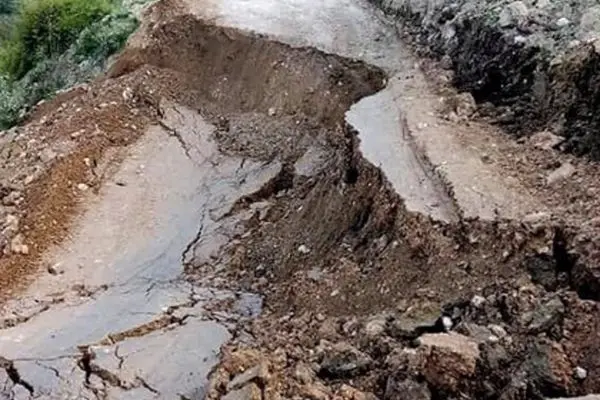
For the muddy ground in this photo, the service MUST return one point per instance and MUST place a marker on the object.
(361, 297)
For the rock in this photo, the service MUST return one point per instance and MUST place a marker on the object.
(544, 317)
(536, 217)
(83, 187)
(248, 392)
(376, 325)
(497, 330)
(565, 171)
(447, 359)
(562, 22)
(13, 198)
(545, 140)
(18, 246)
(258, 373)
(343, 360)
(315, 274)
(408, 327)
(329, 329)
(477, 301)
(465, 104)
(589, 25)
(477, 332)
(580, 373)
(303, 249)
(547, 366)
(406, 389)
(315, 391)
(513, 14)
(303, 373)
(349, 393)
(272, 111)
(447, 323)
(47, 155)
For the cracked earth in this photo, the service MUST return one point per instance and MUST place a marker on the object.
(267, 200)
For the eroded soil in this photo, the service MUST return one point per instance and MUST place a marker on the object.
(213, 194)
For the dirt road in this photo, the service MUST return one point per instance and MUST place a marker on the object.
(288, 153)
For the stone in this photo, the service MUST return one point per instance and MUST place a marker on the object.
(315, 391)
(18, 246)
(83, 187)
(513, 14)
(248, 392)
(580, 373)
(545, 140)
(465, 104)
(343, 360)
(406, 389)
(548, 366)
(13, 198)
(47, 155)
(447, 359)
(562, 22)
(303, 249)
(406, 327)
(476, 332)
(589, 24)
(347, 392)
(545, 316)
(477, 301)
(303, 373)
(258, 373)
(272, 111)
(497, 330)
(376, 325)
(565, 171)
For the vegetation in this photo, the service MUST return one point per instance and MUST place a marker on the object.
(47, 45)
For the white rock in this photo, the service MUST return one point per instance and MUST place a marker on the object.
(580, 373)
(272, 111)
(83, 187)
(563, 22)
(447, 322)
(477, 301)
(512, 14)
(563, 172)
(497, 330)
(303, 249)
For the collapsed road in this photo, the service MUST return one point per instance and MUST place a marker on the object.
(276, 199)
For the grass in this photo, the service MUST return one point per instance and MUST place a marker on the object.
(53, 44)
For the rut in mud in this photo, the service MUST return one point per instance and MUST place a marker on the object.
(257, 186)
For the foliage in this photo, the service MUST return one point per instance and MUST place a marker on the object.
(104, 38)
(55, 44)
(45, 29)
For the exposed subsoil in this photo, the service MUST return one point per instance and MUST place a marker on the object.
(362, 299)
(530, 65)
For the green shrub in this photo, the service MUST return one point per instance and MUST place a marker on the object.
(103, 38)
(46, 28)
(11, 102)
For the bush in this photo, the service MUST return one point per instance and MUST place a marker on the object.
(45, 29)
(103, 38)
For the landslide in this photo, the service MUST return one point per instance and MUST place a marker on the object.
(354, 285)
